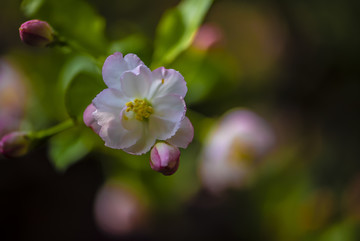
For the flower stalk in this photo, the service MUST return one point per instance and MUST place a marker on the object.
(47, 133)
(17, 144)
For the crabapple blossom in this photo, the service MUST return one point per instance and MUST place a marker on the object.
(140, 106)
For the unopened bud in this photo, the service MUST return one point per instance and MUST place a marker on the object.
(36, 33)
(165, 158)
(15, 144)
(89, 119)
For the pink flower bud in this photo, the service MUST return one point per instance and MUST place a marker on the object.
(165, 158)
(36, 33)
(15, 144)
(89, 119)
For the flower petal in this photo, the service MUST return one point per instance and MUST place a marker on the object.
(163, 129)
(110, 100)
(133, 61)
(136, 85)
(167, 81)
(169, 107)
(89, 119)
(117, 137)
(102, 118)
(144, 144)
(115, 65)
(184, 135)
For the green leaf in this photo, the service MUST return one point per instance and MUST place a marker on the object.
(73, 67)
(135, 43)
(81, 92)
(177, 29)
(45, 104)
(74, 20)
(80, 81)
(206, 73)
(30, 7)
(345, 231)
(68, 147)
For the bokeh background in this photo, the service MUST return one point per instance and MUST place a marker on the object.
(293, 64)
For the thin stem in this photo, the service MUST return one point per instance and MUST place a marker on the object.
(78, 48)
(54, 130)
(74, 46)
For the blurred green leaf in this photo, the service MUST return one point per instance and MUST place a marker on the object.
(81, 92)
(199, 73)
(135, 43)
(341, 231)
(177, 29)
(68, 147)
(30, 7)
(73, 67)
(80, 81)
(45, 104)
(205, 72)
(74, 20)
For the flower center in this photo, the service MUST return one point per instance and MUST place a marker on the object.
(141, 108)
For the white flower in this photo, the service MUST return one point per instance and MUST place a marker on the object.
(141, 106)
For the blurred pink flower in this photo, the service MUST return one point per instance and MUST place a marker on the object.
(207, 36)
(140, 106)
(239, 139)
(12, 97)
(118, 210)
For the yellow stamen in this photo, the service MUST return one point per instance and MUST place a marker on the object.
(162, 81)
(141, 108)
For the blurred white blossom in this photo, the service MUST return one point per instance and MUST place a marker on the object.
(119, 210)
(232, 147)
